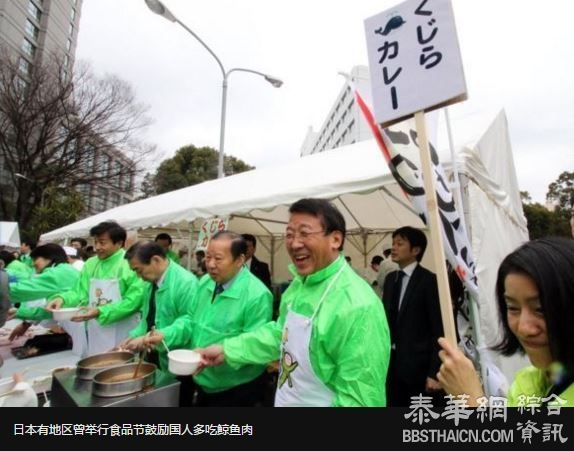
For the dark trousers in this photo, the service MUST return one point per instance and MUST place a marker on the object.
(249, 394)
(187, 390)
(187, 386)
(400, 390)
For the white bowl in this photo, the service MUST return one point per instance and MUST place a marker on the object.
(65, 313)
(183, 362)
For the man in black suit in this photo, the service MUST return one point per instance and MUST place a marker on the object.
(258, 268)
(413, 310)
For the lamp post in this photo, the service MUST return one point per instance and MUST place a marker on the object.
(159, 8)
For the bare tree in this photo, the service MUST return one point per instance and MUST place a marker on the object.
(64, 129)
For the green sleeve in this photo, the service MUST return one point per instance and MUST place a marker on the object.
(131, 302)
(353, 341)
(40, 287)
(141, 329)
(79, 294)
(259, 346)
(178, 334)
(32, 313)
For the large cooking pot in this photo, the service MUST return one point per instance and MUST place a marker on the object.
(90, 366)
(120, 381)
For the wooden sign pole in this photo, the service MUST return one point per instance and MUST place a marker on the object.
(435, 231)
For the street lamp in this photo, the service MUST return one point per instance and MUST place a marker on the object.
(159, 8)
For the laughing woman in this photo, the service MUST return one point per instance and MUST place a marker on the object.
(535, 293)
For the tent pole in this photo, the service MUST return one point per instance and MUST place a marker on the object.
(474, 312)
(272, 260)
(400, 201)
(365, 236)
(190, 254)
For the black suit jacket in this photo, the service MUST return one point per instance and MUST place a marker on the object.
(261, 271)
(416, 329)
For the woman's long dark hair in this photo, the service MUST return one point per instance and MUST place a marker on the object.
(51, 251)
(549, 262)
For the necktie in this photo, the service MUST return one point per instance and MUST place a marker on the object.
(399, 288)
(218, 290)
(395, 302)
(151, 312)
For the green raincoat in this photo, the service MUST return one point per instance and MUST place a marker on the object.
(27, 260)
(52, 279)
(19, 270)
(174, 300)
(531, 381)
(113, 267)
(245, 306)
(350, 343)
(173, 256)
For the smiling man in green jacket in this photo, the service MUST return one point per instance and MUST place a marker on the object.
(230, 301)
(332, 336)
(110, 289)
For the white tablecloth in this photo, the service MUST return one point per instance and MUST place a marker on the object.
(38, 370)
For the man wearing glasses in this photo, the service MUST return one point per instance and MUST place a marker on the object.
(331, 337)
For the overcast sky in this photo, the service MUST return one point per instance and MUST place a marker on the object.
(517, 55)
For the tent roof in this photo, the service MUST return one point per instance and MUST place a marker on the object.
(9, 234)
(356, 177)
(265, 194)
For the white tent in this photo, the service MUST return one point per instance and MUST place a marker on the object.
(357, 179)
(9, 234)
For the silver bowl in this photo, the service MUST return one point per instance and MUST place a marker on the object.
(87, 368)
(120, 381)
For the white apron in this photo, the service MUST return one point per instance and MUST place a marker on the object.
(298, 385)
(79, 336)
(103, 338)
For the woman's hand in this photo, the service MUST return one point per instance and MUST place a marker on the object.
(457, 374)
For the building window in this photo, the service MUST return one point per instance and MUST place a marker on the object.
(28, 48)
(22, 84)
(69, 45)
(32, 30)
(71, 30)
(24, 66)
(100, 200)
(34, 11)
(106, 165)
(73, 14)
(351, 126)
(66, 60)
(90, 158)
(114, 200)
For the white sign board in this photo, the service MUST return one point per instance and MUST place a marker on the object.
(414, 59)
(9, 234)
(209, 228)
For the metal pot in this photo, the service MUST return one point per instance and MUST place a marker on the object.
(119, 381)
(90, 366)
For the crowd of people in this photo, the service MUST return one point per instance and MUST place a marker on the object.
(340, 338)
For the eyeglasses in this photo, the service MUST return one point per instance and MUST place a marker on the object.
(303, 235)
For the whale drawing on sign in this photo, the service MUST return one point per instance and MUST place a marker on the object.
(393, 23)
